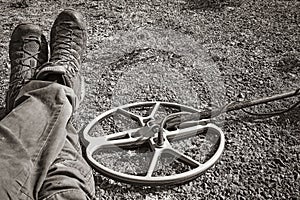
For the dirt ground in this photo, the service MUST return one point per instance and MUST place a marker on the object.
(201, 53)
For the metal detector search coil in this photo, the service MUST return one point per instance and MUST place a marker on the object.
(158, 141)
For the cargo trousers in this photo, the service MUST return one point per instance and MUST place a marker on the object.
(40, 153)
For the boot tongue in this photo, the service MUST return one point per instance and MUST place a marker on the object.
(32, 46)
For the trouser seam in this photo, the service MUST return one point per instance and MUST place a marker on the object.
(56, 117)
(27, 195)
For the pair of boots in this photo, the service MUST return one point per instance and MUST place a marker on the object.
(29, 55)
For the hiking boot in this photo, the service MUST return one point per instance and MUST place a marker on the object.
(28, 50)
(67, 44)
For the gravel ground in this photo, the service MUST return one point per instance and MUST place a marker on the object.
(198, 53)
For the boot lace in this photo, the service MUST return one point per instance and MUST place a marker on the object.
(62, 48)
(19, 75)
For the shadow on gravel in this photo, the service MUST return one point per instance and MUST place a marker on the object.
(211, 4)
(293, 117)
(2, 112)
(109, 186)
(290, 117)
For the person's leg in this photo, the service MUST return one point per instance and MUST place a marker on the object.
(32, 136)
(39, 148)
(27, 51)
(69, 176)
